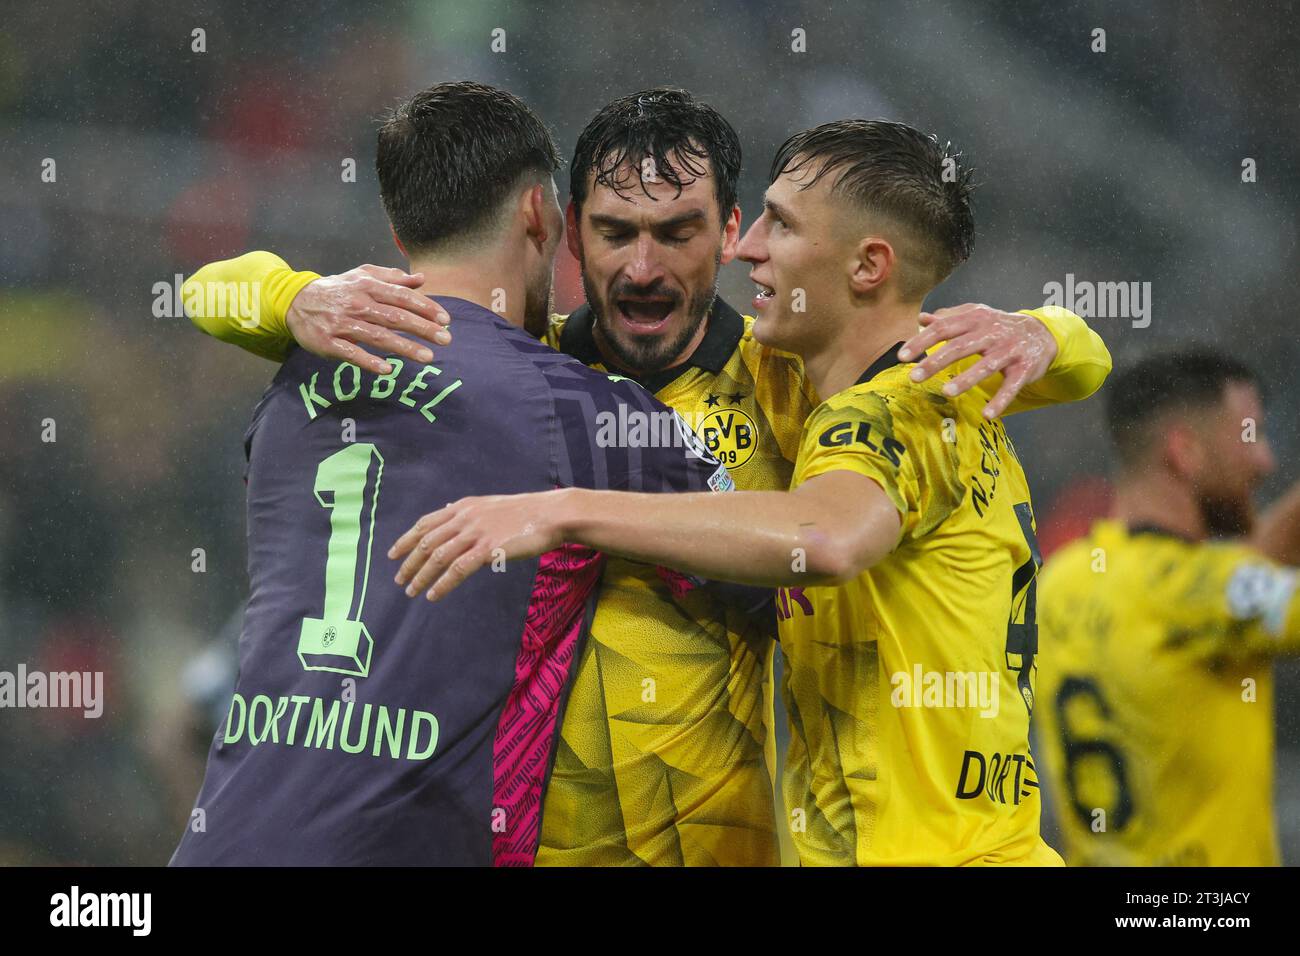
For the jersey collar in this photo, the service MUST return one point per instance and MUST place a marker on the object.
(725, 329)
(886, 361)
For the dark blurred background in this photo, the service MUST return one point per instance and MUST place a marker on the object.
(1117, 166)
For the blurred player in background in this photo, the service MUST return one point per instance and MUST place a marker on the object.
(364, 728)
(906, 545)
(1159, 629)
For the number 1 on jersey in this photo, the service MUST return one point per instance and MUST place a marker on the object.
(338, 640)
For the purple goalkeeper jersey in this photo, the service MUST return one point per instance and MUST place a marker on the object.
(367, 727)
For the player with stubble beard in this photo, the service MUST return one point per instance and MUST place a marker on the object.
(1161, 625)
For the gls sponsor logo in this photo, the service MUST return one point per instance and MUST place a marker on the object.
(103, 909)
(861, 433)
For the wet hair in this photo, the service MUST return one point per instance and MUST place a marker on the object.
(449, 158)
(1188, 379)
(680, 135)
(894, 171)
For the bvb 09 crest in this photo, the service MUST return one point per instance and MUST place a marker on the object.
(730, 435)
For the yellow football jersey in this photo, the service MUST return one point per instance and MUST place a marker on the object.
(910, 688)
(1156, 697)
(666, 751)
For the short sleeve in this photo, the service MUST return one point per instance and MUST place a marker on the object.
(1235, 603)
(858, 431)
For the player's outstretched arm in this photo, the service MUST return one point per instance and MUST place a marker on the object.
(826, 531)
(1019, 360)
(256, 301)
(1236, 605)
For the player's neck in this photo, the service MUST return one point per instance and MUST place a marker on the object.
(482, 280)
(1157, 500)
(861, 341)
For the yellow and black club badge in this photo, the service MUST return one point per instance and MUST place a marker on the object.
(730, 435)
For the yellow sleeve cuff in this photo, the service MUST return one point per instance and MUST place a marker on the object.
(1081, 365)
(244, 301)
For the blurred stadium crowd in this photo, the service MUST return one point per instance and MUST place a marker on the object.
(1116, 166)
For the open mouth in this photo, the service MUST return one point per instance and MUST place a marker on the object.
(646, 315)
(763, 295)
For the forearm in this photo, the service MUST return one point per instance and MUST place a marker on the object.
(244, 301)
(1277, 533)
(752, 537)
(826, 531)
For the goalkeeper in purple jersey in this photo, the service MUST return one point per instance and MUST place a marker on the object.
(366, 728)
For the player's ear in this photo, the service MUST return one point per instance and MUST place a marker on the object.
(535, 215)
(571, 232)
(731, 235)
(1184, 452)
(398, 242)
(874, 264)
